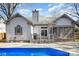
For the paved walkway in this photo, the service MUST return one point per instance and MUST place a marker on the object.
(71, 47)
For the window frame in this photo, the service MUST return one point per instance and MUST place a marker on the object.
(44, 32)
(20, 32)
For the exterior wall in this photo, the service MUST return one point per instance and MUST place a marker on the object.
(10, 29)
(63, 21)
(37, 30)
(63, 24)
(67, 34)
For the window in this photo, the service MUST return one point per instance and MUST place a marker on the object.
(43, 32)
(18, 30)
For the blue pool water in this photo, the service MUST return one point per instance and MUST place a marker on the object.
(32, 52)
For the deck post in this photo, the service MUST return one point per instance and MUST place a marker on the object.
(48, 34)
(52, 34)
(57, 33)
(33, 35)
(40, 36)
(73, 31)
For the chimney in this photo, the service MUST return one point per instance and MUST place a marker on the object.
(35, 16)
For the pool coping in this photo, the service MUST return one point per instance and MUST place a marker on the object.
(70, 52)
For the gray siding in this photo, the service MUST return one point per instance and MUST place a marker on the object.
(10, 31)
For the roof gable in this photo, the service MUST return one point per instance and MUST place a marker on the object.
(18, 15)
(66, 16)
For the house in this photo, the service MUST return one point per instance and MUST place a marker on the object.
(45, 29)
(18, 29)
(51, 29)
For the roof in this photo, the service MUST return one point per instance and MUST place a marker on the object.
(77, 23)
(52, 20)
(66, 16)
(77, 20)
(43, 20)
(19, 15)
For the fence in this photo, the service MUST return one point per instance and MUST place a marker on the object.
(76, 36)
(2, 37)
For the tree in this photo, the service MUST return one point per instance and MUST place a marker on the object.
(75, 12)
(76, 5)
(7, 10)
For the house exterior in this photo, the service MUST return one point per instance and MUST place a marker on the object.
(45, 29)
(18, 29)
(53, 29)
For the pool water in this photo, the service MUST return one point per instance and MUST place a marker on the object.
(32, 52)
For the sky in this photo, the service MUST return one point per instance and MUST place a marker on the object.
(45, 9)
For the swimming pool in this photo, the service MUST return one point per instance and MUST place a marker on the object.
(32, 52)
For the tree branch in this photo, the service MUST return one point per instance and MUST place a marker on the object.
(8, 9)
(73, 15)
(2, 17)
(76, 8)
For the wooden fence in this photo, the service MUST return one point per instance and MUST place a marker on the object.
(2, 37)
(76, 36)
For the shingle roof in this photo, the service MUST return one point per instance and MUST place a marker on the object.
(43, 20)
(18, 15)
(64, 15)
(51, 20)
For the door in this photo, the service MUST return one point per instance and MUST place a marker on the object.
(44, 34)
